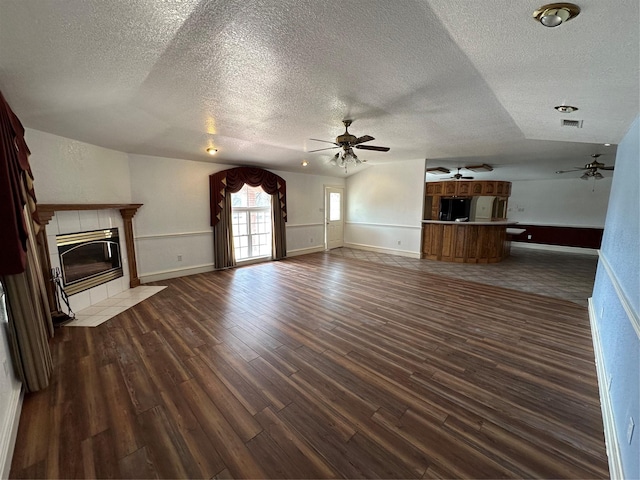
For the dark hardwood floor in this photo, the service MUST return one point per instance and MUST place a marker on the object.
(321, 366)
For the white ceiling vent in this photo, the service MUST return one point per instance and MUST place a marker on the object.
(571, 123)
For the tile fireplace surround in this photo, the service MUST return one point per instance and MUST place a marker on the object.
(97, 304)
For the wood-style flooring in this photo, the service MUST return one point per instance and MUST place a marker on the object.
(320, 366)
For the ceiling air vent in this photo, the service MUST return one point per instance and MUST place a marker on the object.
(571, 123)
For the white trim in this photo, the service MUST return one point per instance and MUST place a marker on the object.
(175, 273)
(554, 248)
(176, 234)
(386, 225)
(391, 251)
(305, 251)
(610, 435)
(626, 304)
(9, 432)
(298, 225)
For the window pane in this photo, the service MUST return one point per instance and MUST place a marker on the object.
(239, 199)
(251, 223)
(335, 209)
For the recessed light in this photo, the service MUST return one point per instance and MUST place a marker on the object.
(566, 108)
(212, 151)
(607, 144)
(304, 163)
(555, 14)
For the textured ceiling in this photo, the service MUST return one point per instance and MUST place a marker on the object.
(457, 82)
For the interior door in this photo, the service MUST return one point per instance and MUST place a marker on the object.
(334, 221)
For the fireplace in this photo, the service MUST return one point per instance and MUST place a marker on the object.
(88, 259)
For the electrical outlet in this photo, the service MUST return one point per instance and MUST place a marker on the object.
(630, 429)
(180, 257)
(528, 237)
(399, 242)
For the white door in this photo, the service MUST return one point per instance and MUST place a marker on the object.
(334, 221)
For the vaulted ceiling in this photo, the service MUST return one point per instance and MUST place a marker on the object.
(458, 82)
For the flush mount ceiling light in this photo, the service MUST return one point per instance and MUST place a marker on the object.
(555, 14)
(304, 163)
(212, 151)
(566, 108)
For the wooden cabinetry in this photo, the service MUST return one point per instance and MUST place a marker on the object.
(464, 242)
(435, 191)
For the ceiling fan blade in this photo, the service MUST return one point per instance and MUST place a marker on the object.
(364, 138)
(467, 178)
(606, 168)
(567, 171)
(321, 149)
(371, 147)
(325, 141)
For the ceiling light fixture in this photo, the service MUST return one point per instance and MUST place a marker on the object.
(438, 170)
(304, 163)
(555, 14)
(212, 151)
(566, 108)
(607, 144)
(345, 157)
(480, 168)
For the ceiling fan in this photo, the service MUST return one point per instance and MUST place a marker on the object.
(591, 169)
(459, 176)
(347, 142)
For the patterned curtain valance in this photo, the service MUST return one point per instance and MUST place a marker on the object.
(233, 180)
(15, 173)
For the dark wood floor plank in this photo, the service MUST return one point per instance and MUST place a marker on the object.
(321, 367)
(229, 445)
(229, 405)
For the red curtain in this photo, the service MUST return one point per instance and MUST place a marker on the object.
(232, 181)
(224, 183)
(14, 172)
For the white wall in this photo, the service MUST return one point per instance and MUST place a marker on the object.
(384, 208)
(563, 202)
(68, 171)
(174, 219)
(305, 210)
(9, 397)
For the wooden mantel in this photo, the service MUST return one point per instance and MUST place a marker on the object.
(45, 214)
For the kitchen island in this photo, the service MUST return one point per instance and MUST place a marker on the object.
(465, 242)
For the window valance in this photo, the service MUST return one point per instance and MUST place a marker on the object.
(232, 180)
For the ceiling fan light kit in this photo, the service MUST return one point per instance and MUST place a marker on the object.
(555, 14)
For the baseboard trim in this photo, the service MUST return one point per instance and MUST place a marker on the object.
(305, 251)
(175, 273)
(10, 432)
(610, 434)
(390, 251)
(555, 248)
